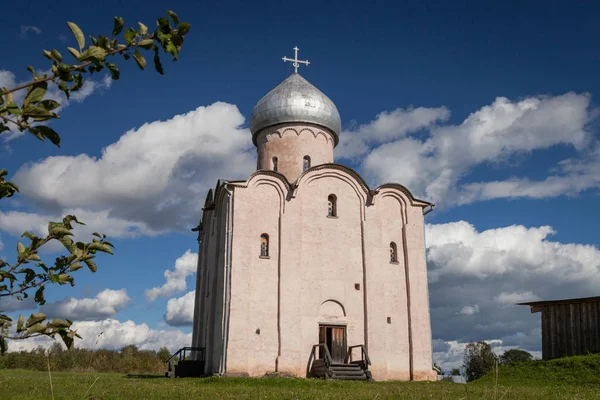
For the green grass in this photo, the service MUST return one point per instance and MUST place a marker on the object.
(22, 385)
(577, 370)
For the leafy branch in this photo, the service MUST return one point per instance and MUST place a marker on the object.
(17, 279)
(168, 36)
(29, 274)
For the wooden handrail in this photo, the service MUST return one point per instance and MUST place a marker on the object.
(363, 353)
(183, 351)
(313, 356)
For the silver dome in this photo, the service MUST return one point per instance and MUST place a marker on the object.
(295, 100)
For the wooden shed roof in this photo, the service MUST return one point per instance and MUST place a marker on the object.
(536, 306)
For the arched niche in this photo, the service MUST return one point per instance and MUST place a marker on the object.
(332, 309)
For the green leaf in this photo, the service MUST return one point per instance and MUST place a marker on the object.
(67, 338)
(97, 234)
(173, 16)
(78, 83)
(78, 35)
(35, 318)
(143, 28)
(146, 43)
(93, 53)
(49, 104)
(171, 48)
(59, 231)
(99, 246)
(183, 28)
(64, 278)
(103, 42)
(13, 108)
(35, 93)
(74, 52)
(75, 266)
(36, 328)
(59, 323)
(118, 26)
(91, 265)
(114, 71)
(21, 323)
(164, 25)
(20, 248)
(37, 112)
(139, 59)
(47, 54)
(56, 55)
(34, 257)
(47, 132)
(130, 34)
(39, 295)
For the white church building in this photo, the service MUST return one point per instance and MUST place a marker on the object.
(303, 255)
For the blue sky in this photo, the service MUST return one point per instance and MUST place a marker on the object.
(427, 67)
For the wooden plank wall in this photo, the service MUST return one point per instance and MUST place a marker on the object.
(570, 329)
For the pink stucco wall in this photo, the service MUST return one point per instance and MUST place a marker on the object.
(290, 143)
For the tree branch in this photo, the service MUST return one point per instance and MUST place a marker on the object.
(17, 123)
(73, 68)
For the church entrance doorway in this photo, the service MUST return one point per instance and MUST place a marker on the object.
(335, 338)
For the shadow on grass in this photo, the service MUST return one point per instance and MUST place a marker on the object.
(145, 376)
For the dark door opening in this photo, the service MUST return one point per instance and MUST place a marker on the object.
(335, 338)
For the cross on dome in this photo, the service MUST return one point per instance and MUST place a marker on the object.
(296, 62)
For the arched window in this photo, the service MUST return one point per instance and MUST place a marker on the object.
(393, 252)
(332, 206)
(264, 245)
(305, 163)
(275, 163)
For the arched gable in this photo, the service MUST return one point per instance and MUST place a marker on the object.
(269, 178)
(401, 198)
(412, 200)
(342, 173)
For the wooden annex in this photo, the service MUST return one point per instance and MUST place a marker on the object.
(569, 327)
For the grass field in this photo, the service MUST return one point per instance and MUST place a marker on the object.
(19, 384)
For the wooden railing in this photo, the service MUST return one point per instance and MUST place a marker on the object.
(313, 356)
(182, 353)
(364, 356)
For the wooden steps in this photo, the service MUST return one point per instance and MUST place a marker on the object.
(347, 372)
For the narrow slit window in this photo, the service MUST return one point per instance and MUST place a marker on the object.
(305, 163)
(332, 206)
(275, 161)
(264, 245)
(393, 252)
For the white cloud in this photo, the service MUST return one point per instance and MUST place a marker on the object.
(89, 87)
(106, 304)
(176, 279)
(155, 175)
(387, 126)
(433, 165)
(469, 310)
(511, 298)
(25, 29)
(113, 334)
(484, 273)
(7, 79)
(16, 222)
(459, 249)
(180, 310)
(11, 304)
